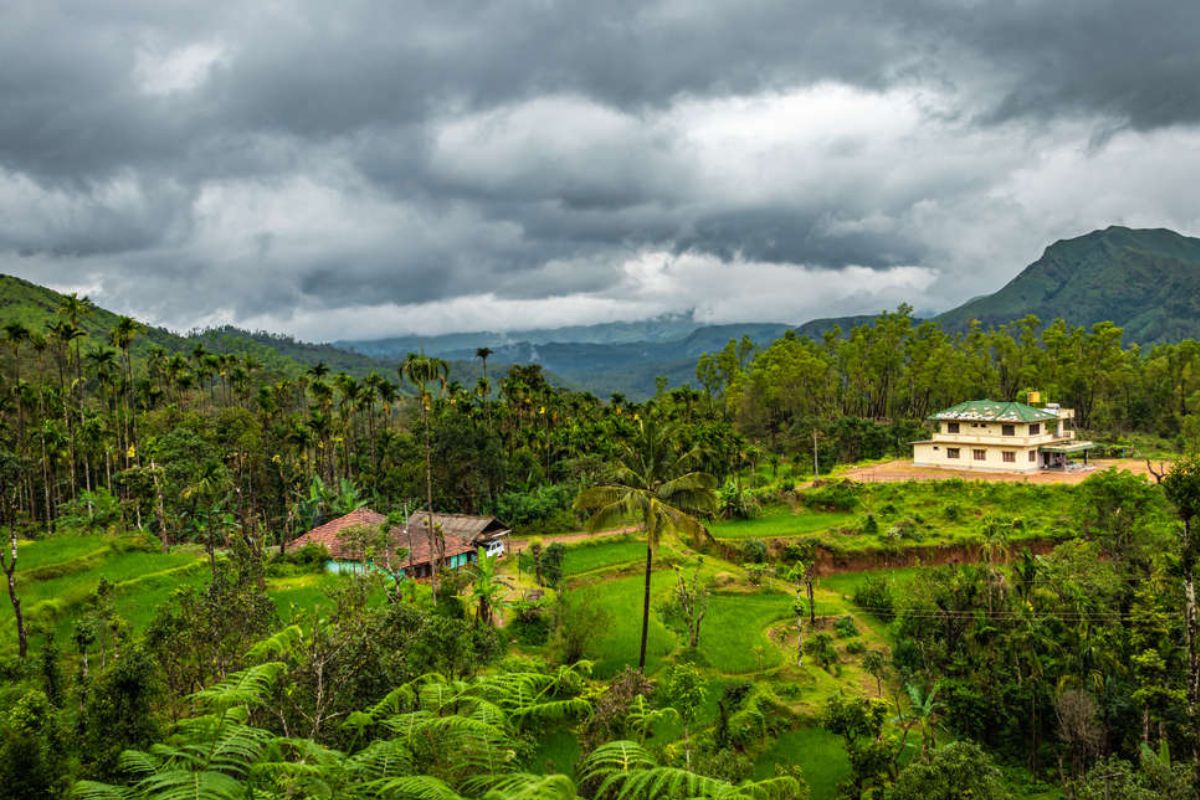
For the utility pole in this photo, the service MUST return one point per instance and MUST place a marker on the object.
(816, 464)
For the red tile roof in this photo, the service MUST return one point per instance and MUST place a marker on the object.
(329, 535)
(332, 537)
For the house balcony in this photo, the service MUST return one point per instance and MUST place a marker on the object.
(1000, 440)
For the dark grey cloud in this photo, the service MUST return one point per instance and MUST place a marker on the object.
(253, 161)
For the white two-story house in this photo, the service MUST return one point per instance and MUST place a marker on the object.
(994, 436)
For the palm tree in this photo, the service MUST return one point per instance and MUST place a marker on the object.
(422, 372)
(16, 335)
(487, 587)
(122, 336)
(483, 354)
(653, 482)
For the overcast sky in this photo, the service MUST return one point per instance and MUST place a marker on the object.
(359, 169)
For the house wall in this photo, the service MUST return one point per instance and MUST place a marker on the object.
(340, 567)
(937, 454)
(993, 433)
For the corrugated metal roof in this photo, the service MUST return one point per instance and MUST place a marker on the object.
(994, 411)
(1074, 447)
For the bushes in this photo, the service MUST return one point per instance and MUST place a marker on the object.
(845, 627)
(311, 557)
(874, 596)
(736, 502)
(754, 551)
(820, 649)
(546, 509)
(837, 496)
(530, 625)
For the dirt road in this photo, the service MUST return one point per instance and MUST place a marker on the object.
(903, 470)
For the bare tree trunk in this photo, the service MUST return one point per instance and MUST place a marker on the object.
(646, 605)
(10, 568)
(434, 561)
(1193, 687)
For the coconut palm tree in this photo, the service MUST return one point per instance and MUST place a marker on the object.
(424, 372)
(653, 483)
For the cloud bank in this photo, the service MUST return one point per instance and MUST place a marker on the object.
(374, 168)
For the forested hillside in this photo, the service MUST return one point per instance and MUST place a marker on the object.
(1145, 281)
(36, 307)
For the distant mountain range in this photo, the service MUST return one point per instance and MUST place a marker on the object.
(623, 357)
(1146, 281)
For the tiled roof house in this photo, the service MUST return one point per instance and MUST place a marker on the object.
(408, 545)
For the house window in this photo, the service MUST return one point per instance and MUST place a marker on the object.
(1010, 457)
(1033, 455)
(1035, 429)
(951, 452)
(1008, 430)
(980, 455)
(951, 427)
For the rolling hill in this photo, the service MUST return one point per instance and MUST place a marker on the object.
(35, 306)
(1147, 281)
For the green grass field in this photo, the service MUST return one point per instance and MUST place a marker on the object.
(780, 522)
(820, 754)
(732, 636)
(916, 515)
(602, 553)
(57, 577)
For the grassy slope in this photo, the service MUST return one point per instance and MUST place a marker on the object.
(747, 635)
(917, 514)
(57, 578)
(748, 631)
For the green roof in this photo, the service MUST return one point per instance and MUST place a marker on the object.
(994, 411)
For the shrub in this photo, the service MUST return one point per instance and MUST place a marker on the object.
(735, 502)
(798, 551)
(821, 650)
(552, 564)
(856, 647)
(904, 529)
(725, 765)
(311, 556)
(93, 510)
(530, 624)
(845, 627)
(754, 551)
(952, 512)
(838, 496)
(874, 596)
(755, 574)
(579, 620)
(869, 526)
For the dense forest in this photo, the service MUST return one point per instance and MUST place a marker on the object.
(1079, 665)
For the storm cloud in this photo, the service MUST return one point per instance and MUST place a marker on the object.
(366, 168)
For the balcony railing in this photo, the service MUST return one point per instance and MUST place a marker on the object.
(999, 439)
